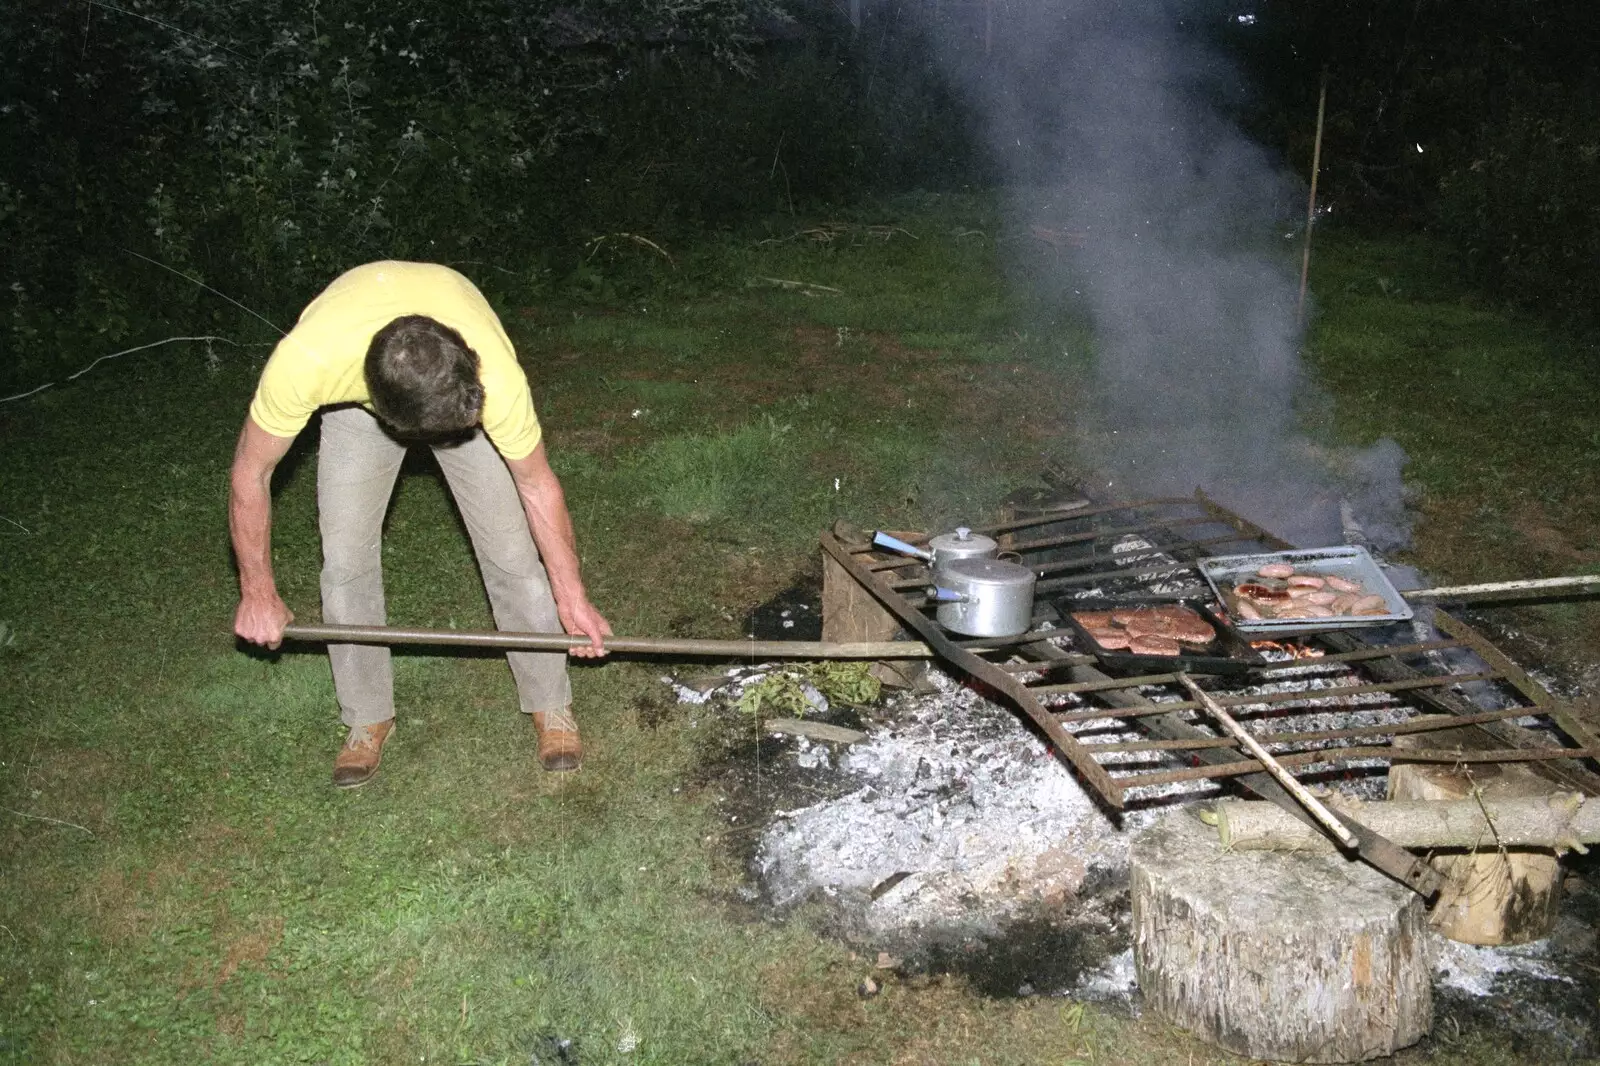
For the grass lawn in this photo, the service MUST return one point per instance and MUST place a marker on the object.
(180, 880)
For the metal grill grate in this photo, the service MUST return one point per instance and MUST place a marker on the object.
(1422, 680)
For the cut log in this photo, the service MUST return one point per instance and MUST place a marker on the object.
(1560, 820)
(1292, 957)
(800, 727)
(851, 614)
(1498, 893)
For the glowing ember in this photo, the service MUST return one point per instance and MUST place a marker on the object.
(1288, 651)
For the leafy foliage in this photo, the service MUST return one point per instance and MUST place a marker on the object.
(1522, 209)
(262, 148)
(1474, 118)
(790, 692)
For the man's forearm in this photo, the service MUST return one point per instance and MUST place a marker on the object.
(250, 528)
(250, 508)
(545, 505)
(551, 526)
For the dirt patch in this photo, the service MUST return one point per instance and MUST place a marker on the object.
(121, 904)
(1565, 542)
(793, 614)
(70, 785)
(249, 949)
(113, 903)
(1468, 540)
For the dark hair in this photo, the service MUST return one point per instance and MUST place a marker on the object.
(423, 379)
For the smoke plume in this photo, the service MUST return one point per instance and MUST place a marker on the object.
(1142, 205)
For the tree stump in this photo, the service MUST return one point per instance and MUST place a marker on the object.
(1493, 893)
(1293, 957)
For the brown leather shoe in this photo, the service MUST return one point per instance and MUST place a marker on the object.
(559, 746)
(358, 760)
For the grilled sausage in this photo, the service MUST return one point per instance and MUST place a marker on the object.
(1304, 581)
(1340, 584)
(1276, 570)
(1370, 605)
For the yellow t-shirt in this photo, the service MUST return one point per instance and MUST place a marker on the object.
(320, 361)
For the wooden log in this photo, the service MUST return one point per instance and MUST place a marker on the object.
(851, 614)
(1560, 820)
(1497, 893)
(1291, 957)
(800, 727)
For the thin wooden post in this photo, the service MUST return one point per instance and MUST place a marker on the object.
(1311, 203)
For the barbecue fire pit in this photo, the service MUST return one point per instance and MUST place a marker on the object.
(1322, 704)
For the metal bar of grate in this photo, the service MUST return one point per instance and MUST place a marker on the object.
(1073, 514)
(1392, 729)
(1335, 756)
(1375, 675)
(1131, 556)
(1531, 689)
(1301, 695)
(1302, 664)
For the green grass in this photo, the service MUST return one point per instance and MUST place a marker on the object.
(178, 880)
(1498, 414)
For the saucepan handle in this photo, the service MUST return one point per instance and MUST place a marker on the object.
(895, 544)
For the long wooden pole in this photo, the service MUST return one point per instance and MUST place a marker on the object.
(1311, 203)
(721, 649)
(1525, 589)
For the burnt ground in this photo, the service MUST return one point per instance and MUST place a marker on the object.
(1076, 942)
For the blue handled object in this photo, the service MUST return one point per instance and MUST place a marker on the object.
(947, 595)
(895, 544)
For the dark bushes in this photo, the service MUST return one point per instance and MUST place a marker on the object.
(1523, 206)
(262, 148)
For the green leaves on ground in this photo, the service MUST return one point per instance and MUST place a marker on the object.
(789, 692)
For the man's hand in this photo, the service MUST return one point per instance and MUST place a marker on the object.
(260, 619)
(584, 620)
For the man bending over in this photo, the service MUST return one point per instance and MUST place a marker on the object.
(396, 354)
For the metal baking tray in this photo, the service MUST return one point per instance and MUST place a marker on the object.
(1352, 562)
(1228, 654)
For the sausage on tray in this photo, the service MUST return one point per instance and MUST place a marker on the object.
(1369, 605)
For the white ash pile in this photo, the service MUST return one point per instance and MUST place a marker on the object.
(964, 821)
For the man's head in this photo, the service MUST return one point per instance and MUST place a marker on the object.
(423, 379)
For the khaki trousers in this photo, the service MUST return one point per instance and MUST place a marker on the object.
(357, 465)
